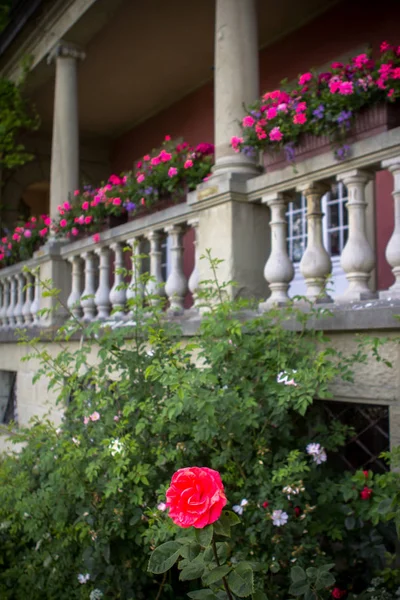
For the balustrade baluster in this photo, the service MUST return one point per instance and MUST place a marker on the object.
(27, 307)
(357, 259)
(194, 279)
(2, 319)
(155, 286)
(118, 292)
(135, 288)
(74, 298)
(393, 247)
(279, 270)
(36, 300)
(13, 300)
(19, 319)
(176, 286)
(87, 299)
(315, 265)
(102, 297)
(6, 302)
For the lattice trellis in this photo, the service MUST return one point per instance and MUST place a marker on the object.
(371, 423)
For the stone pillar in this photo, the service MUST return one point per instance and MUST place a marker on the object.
(73, 301)
(118, 291)
(358, 258)
(236, 80)
(64, 178)
(27, 308)
(194, 279)
(278, 270)
(135, 291)
(393, 247)
(316, 265)
(155, 286)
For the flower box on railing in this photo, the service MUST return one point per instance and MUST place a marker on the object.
(367, 123)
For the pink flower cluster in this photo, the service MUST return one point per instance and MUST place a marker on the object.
(320, 102)
(24, 240)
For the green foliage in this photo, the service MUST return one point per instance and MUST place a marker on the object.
(80, 512)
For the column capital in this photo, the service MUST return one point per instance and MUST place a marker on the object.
(355, 176)
(65, 50)
(313, 188)
(277, 198)
(194, 222)
(391, 164)
(175, 228)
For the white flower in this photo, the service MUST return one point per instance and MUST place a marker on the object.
(115, 447)
(76, 441)
(238, 508)
(96, 595)
(317, 452)
(279, 518)
(162, 506)
(83, 578)
(283, 377)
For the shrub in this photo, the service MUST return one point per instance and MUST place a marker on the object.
(81, 506)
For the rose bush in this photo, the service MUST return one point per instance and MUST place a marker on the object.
(83, 505)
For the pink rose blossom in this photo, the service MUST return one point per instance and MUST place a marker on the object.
(74, 231)
(116, 418)
(47, 221)
(396, 73)
(283, 107)
(88, 219)
(275, 135)
(248, 121)
(299, 119)
(305, 78)
(235, 142)
(155, 161)
(43, 232)
(96, 238)
(86, 420)
(76, 193)
(360, 60)
(140, 178)
(85, 205)
(385, 47)
(146, 157)
(188, 164)
(95, 416)
(334, 84)
(117, 201)
(301, 107)
(165, 156)
(63, 223)
(167, 138)
(337, 65)
(27, 233)
(389, 95)
(172, 171)
(80, 220)
(67, 206)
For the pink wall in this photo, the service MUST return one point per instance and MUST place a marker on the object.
(346, 27)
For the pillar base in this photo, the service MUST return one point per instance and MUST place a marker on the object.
(238, 164)
(354, 296)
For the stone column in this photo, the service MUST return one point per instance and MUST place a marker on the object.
(316, 265)
(118, 291)
(236, 80)
(393, 247)
(73, 301)
(64, 178)
(155, 286)
(358, 258)
(194, 279)
(278, 270)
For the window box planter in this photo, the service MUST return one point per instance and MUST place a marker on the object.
(367, 123)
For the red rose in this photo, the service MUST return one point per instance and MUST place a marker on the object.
(195, 497)
(265, 504)
(297, 511)
(338, 593)
(366, 493)
(366, 473)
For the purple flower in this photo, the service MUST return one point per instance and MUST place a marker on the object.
(130, 206)
(343, 152)
(148, 191)
(249, 151)
(344, 118)
(255, 113)
(319, 111)
(289, 152)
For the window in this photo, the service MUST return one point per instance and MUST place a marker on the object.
(8, 401)
(297, 228)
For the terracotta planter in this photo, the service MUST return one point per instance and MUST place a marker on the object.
(368, 122)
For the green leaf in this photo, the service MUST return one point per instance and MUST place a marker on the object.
(241, 580)
(259, 596)
(191, 550)
(204, 536)
(324, 580)
(227, 520)
(312, 572)
(297, 574)
(298, 589)
(385, 506)
(192, 571)
(164, 557)
(350, 523)
(202, 595)
(309, 595)
(216, 574)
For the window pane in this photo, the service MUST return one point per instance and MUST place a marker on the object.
(334, 243)
(333, 215)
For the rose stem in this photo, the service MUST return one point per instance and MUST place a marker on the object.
(224, 581)
(162, 586)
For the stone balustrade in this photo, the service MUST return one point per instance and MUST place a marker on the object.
(99, 279)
